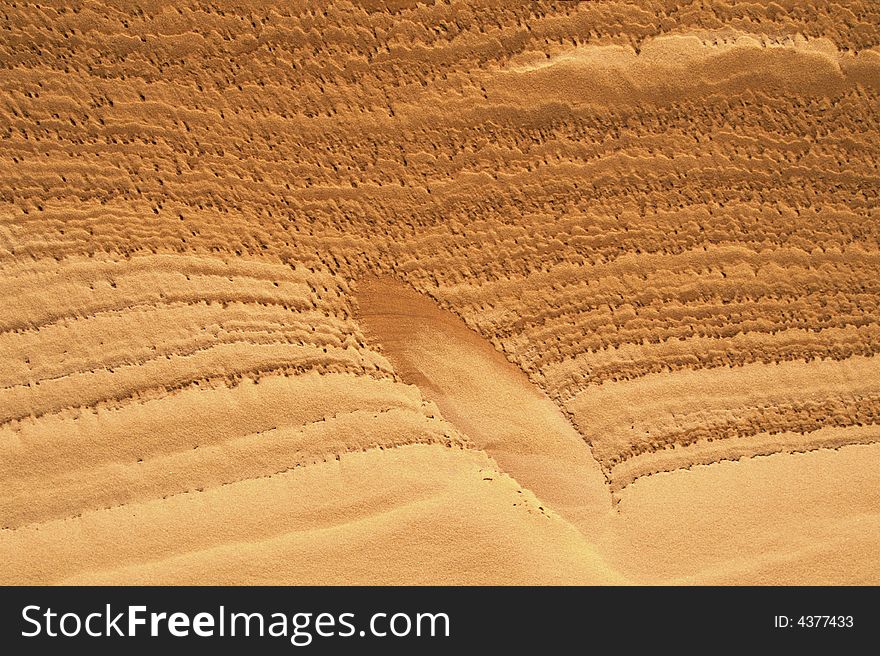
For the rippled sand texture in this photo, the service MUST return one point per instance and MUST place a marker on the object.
(388, 292)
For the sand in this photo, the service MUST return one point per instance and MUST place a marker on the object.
(399, 292)
(486, 398)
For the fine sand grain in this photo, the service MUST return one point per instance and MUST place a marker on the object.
(432, 292)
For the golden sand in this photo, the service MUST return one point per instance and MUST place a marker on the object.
(400, 292)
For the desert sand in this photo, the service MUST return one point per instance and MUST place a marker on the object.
(460, 293)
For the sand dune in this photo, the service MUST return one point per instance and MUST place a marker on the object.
(429, 292)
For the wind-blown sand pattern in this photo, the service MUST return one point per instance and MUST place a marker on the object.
(486, 398)
(399, 292)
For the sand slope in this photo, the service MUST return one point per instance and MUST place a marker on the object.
(418, 514)
(782, 519)
(486, 398)
(635, 323)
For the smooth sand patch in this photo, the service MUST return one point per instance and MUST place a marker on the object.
(486, 397)
(420, 514)
(783, 519)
